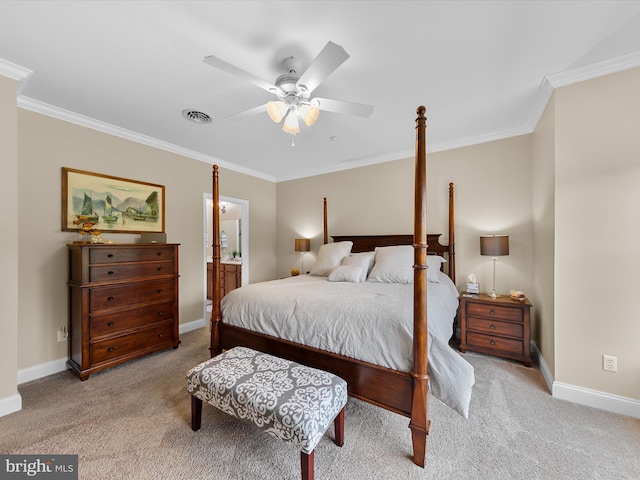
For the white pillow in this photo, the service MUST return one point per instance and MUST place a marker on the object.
(393, 265)
(330, 256)
(348, 273)
(364, 260)
(433, 268)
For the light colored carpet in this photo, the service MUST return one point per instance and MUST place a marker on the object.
(133, 422)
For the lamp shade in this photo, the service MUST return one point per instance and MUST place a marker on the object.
(303, 245)
(494, 245)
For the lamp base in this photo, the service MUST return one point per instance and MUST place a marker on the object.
(494, 295)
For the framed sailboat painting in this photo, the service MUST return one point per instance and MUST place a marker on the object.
(113, 204)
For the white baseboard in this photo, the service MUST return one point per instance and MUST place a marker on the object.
(584, 396)
(544, 368)
(43, 370)
(10, 404)
(596, 399)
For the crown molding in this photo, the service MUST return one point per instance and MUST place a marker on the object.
(84, 121)
(14, 71)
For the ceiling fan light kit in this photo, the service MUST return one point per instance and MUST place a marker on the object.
(294, 91)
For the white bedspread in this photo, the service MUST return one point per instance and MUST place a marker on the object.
(372, 322)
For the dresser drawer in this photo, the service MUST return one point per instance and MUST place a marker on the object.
(129, 344)
(128, 295)
(114, 323)
(125, 271)
(119, 254)
(494, 311)
(494, 327)
(486, 342)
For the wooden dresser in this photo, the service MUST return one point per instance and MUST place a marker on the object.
(123, 303)
(497, 326)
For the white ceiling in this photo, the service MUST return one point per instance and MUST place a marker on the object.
(483, 69)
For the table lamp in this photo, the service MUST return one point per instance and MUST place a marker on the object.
(494, 246)
(303, 245)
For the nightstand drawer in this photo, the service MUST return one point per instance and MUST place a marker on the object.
(493, 327)
(494, 311)
(495, 343)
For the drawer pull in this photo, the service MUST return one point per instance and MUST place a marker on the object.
(159, 269)
(110, 299)
(110, 324)
(492, 342)
(492, 312)
(160, 313)
(160, 335)
(492, 327)
(110, 255)
(159, 253)
(111, 349)
(159, 290)
(109, 273)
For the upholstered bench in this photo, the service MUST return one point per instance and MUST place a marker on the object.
(287, 400)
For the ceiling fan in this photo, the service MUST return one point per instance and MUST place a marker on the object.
(294, 89)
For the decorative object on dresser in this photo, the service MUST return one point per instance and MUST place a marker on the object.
(123, 303)
(496, 326)
(495, 246)
(111, 204)
(302, 245)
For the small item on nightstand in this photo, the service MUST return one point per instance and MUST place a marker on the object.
(472, 285)
(517, 295)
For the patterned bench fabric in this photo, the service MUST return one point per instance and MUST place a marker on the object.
(287, 400)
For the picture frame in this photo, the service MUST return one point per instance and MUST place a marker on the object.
(114, 204)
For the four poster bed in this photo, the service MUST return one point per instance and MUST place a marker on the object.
(399, 382)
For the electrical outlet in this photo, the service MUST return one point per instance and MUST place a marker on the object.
(609, 363)
(63, 334)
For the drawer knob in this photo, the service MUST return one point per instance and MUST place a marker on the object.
(160, 335)
(160, 313)
(159, 253)
(111, 349)
(492, 327)
(110, 324)
(159, 269)
(110, 255)
(109, 273)
(109, 299)
(492, 342)
(159, 290)
(492, 311)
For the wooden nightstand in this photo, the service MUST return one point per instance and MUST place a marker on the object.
(497, 327)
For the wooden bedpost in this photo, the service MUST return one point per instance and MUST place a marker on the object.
(216, 314)
(324, 222)
(419, 408)
(452, 251)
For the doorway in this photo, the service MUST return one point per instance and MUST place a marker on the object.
(234, 238)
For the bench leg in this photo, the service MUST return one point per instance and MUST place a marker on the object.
(306, 462)
(196, 413)
(338, 425)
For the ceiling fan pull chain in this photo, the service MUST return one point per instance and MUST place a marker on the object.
(293, 140)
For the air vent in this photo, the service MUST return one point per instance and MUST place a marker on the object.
(196, 116)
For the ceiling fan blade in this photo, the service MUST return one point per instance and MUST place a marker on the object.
(330, 58)
(248, 113)
(233, 70)
(348, 108)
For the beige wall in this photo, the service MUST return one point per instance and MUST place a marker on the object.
(597, 228)
(543, 209)
(9, 399)
(45, 145)
(492, 195)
